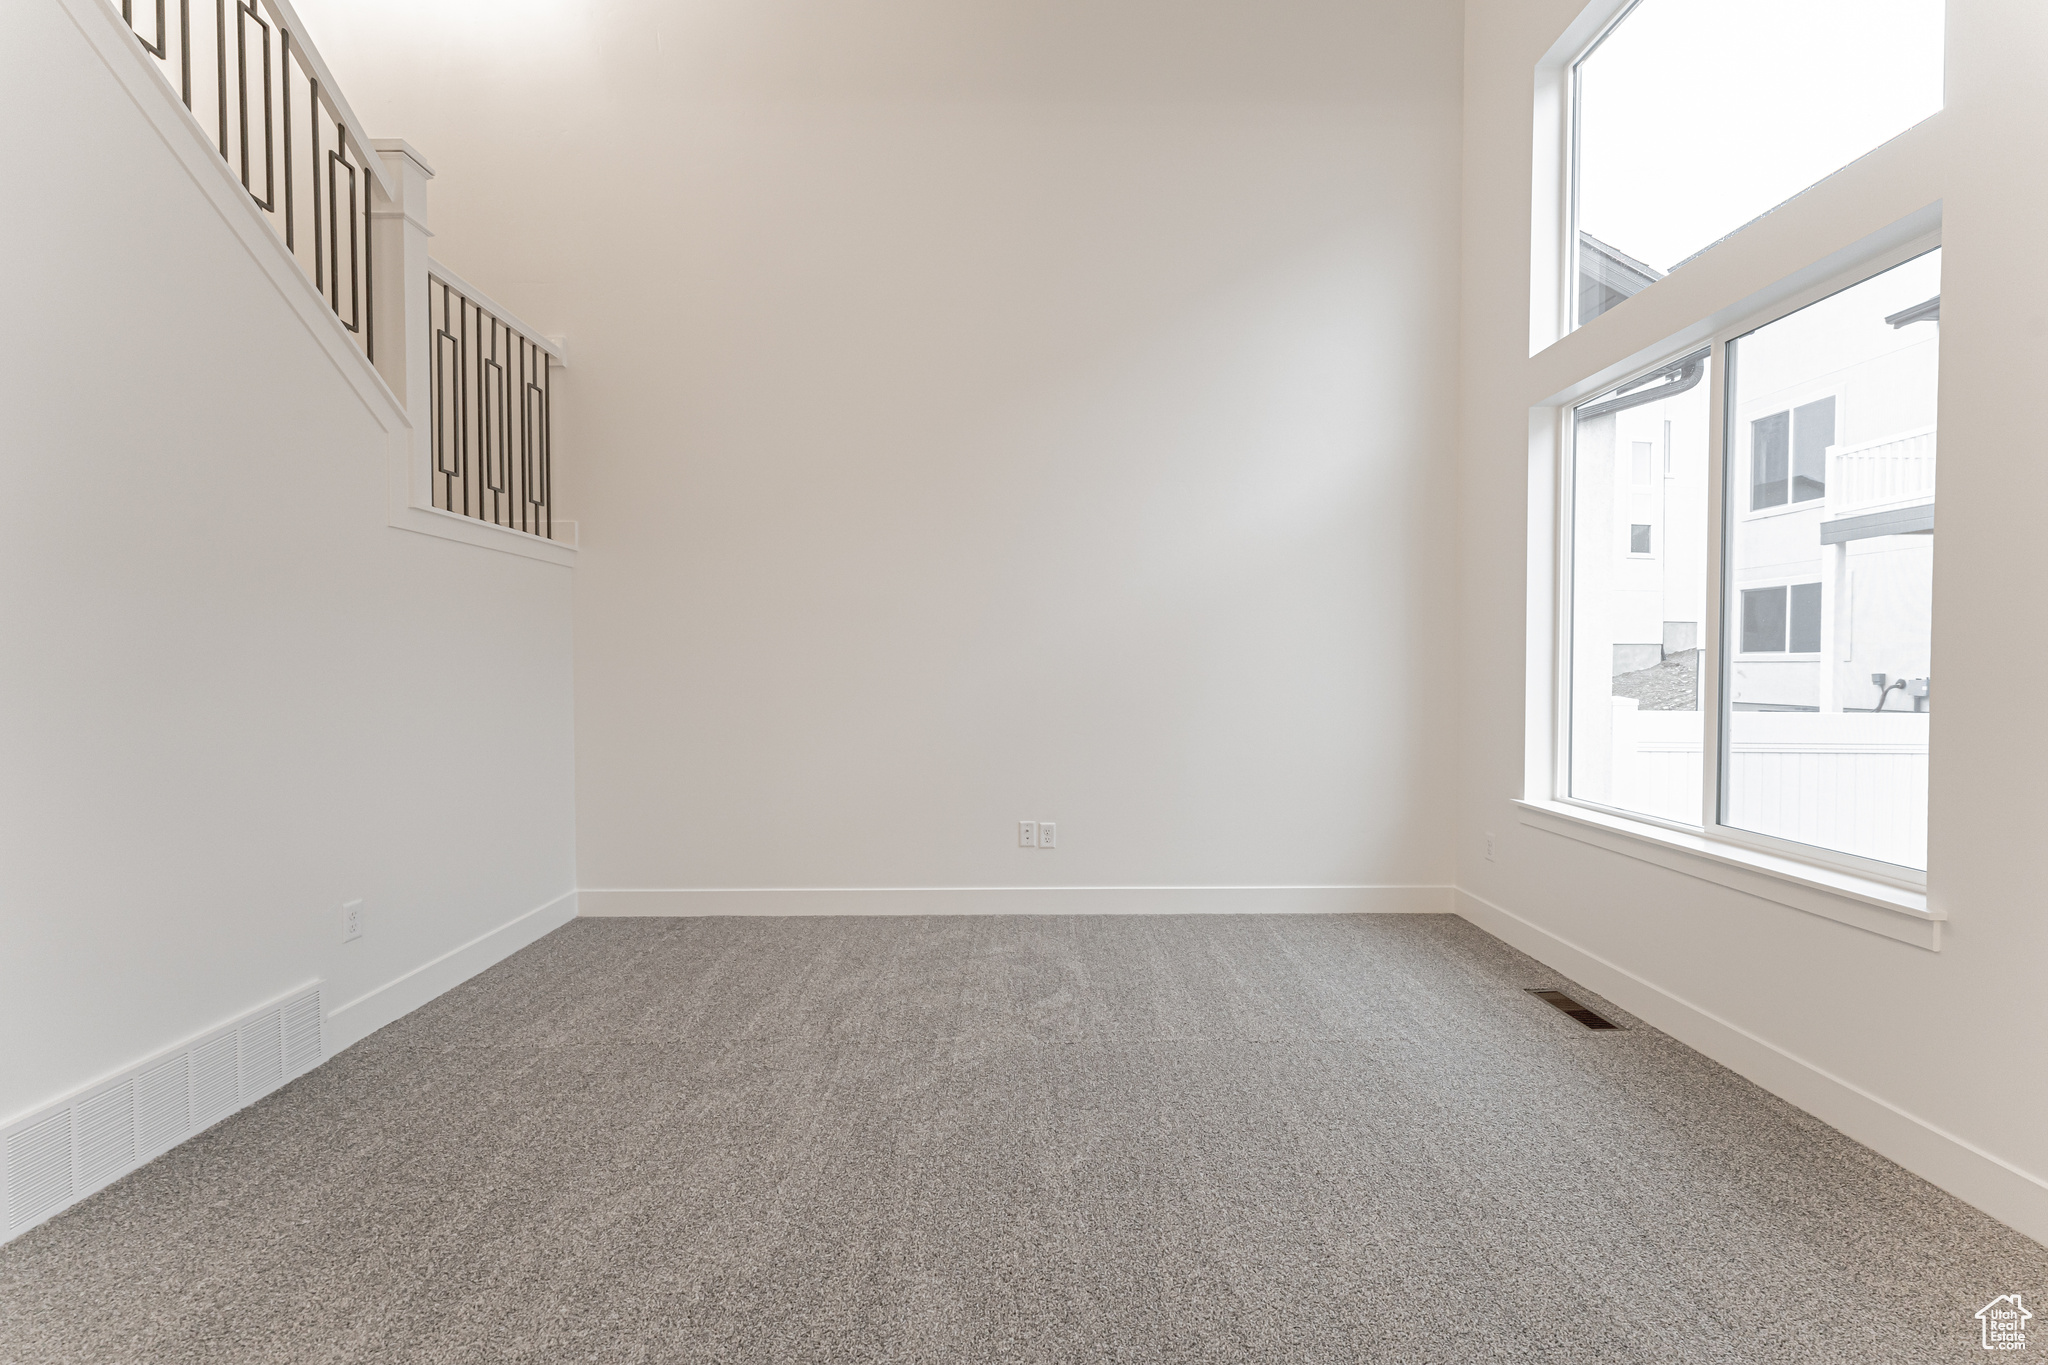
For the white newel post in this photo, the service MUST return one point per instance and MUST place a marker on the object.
(399, 237)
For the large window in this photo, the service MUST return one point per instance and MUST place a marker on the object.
(1693, 118)
(1638, 566)
(1829, 569)
(1821, 656)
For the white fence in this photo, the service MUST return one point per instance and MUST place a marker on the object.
(1851, 781)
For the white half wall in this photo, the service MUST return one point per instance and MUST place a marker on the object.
(983, 413)
(232, 696)
(1922, 1055)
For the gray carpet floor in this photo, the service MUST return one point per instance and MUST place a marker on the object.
(1014, 1139)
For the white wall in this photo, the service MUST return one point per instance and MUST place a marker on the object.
(231, 695)
(982, 412)
(1920, 1054)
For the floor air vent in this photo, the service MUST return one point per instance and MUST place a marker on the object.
(57, 1154)
(1572, 1007)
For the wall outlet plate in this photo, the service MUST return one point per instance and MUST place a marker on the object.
(1048, 834)
(351, 921)
(1027, 834)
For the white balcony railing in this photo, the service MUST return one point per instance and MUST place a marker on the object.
(1873, 486)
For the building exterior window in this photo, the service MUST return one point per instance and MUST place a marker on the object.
(1789, 460)
(1828, 596)
(1638, 580)
(1781, 620)
(1770, 445)
(1670, 157)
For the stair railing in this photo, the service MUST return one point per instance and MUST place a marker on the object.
(258, 87)
(472, 379)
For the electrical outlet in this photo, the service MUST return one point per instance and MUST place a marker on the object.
(351, 921)
(1027, 834)
(1489, 846)
(1048, 834)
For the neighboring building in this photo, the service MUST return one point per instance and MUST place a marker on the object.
(1608, 275)
(1641, 462)
(1832, 506)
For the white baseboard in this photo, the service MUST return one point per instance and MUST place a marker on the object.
(1018, 900)
(349, 1024)
(2015, 1197)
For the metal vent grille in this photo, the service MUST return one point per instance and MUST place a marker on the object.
(163, 1105)
(106, 1134)
(262, 1044)
(65, 1151)
(1563, 1002)
(213, 1079)
(302, 1033)
(39, 1169)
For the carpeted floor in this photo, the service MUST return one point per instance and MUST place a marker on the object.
(1014, 1139)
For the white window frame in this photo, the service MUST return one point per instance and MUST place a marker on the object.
(1567, 466)
(1731, 843)
(1571, 320)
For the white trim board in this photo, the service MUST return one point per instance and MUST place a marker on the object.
(350, 1023)
(1016, 900)
(2015, 1197)
(407, 515)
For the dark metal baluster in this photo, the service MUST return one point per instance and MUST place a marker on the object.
(468, 426)
(486, 470)
(547, 447)
(185, 50)
(505, 419)
(269, 146)
(243, 13)
(535, 359)
(284, 43)
(319, 258)
(501, 504)
(220, 89)
(241, 85)
(491, 377)
(369, 256)
(355, 296)
(333, 238)
(522, 480)
(336, 164)
(465, 385)
(440, 339)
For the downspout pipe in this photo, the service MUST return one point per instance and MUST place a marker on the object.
(1680, 375)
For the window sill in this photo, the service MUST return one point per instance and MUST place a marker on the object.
(1877, 907)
